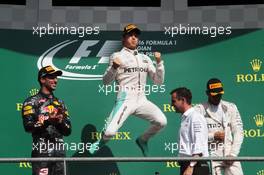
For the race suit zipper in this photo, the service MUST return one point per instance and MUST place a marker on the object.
(138, 74)
(138, 71)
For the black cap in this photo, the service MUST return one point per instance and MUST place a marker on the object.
(215, 87)
(48, 70)
(131, 28)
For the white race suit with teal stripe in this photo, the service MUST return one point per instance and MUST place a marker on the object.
(131, 79)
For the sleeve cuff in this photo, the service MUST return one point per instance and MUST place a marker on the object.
(233, 154)
(113, 70)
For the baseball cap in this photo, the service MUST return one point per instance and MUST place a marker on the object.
(215, 87)
(131, 27)
(48, 70)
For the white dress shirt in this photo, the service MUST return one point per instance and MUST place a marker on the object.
(193, 134)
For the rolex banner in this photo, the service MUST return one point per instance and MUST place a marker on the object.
(189, 60)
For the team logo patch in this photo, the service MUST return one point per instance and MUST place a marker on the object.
(50, 109)
(56, 103)
(28, 112)
(28, 107)
(215, 86)
(49, 68)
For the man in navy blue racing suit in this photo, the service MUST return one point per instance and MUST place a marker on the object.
(46, 118)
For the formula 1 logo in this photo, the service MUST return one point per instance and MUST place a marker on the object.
(80, 60)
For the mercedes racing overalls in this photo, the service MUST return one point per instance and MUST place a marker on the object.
(131, 79)
(232, 125)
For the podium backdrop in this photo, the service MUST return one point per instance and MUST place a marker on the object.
(190, 60)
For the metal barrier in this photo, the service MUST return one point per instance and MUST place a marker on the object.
(127, 159)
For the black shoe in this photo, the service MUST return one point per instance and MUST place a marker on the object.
(143, 145)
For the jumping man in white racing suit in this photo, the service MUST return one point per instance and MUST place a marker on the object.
(130, 70)
(225, 129)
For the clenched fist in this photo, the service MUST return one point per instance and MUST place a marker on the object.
(157, 56)
(116, 63)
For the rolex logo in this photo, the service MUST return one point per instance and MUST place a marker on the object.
(259, 120)
(33, 91)
(256, 132)
(261, 172)
(255, 77)
(256, 65)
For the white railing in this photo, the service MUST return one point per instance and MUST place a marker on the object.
(126, 159)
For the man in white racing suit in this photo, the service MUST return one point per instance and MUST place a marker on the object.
(130, 70)
(225, 129)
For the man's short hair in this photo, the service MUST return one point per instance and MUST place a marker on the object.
(183, 92)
